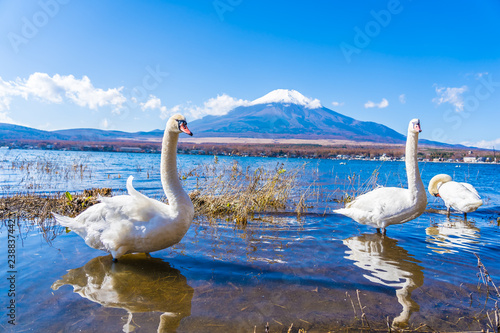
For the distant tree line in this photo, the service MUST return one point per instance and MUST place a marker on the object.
(270, 150)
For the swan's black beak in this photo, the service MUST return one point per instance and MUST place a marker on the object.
(417, 127)
(183, 127)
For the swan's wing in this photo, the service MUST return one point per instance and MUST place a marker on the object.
(117, 220)
(390, 199)
(460, 197)
(470, 188)
(134, 207)
(379, 205)
(134, 193)
(129, 208)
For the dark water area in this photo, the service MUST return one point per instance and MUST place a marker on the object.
(312, 271)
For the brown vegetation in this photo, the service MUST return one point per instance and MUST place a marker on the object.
(237, 194)
(314, 149)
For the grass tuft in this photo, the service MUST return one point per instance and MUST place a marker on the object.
(237, 193)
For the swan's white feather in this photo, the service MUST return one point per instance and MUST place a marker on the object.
(462, 197)
(383, 206)
(133, 221)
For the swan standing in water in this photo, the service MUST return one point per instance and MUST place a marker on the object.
(392, 205)
(462, 197)
(135, 223)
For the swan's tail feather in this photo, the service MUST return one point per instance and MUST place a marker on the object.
(472, 206)
(132, 191)
(65, 221)
(343, 211)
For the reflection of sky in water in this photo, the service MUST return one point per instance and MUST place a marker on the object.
(278, 269)
(390, 265)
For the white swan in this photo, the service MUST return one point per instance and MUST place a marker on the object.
(462, 197)
(135, 223)
(392, 205)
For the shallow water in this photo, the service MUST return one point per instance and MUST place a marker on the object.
(279, 269)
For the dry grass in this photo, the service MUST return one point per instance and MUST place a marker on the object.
(493, 293)
(237, 194)
(44, 172)
(222, 191)
(36, 207)
(355, 187)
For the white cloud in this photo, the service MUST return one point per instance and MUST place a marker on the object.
(57, 89)
(483, 144)
(217, 106)
(337, 103)
(383, 104)
(4, 118)
(153, 103)
(222, 104)
(451, 95)
(402, 99)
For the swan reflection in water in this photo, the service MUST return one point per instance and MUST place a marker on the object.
(136, 284)
(390, 265)
(452, 235)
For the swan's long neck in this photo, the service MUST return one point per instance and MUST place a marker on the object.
(168, 168)
(415, 184)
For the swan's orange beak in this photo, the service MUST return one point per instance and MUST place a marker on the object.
(183, 127)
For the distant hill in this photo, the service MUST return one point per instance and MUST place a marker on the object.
(90, 134)
(281, 114)
(9, 132)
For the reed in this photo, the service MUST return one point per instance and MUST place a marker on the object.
(37, 207)
(355, 187)
(226, 191)
(237, 194)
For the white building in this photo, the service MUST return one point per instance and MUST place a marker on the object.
(470, 159)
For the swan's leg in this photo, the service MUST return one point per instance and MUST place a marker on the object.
(448, 210)
(465, 216)
(384, 231)
(147, 254)
(378, 230)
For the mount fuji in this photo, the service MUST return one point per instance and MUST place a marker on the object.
(281, 114)
(289, 114)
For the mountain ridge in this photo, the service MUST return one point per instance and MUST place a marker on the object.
(280, 114)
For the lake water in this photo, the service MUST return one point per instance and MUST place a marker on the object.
(315, 272)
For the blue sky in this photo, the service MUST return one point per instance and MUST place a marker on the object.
(127, 65)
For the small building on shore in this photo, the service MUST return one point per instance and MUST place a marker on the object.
(131, 149)
(470, 159)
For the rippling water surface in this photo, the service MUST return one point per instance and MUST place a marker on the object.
(313, 272)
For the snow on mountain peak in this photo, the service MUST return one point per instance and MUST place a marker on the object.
(288, 96)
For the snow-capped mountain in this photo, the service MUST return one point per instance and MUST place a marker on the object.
(289, 114)
(286, 96)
